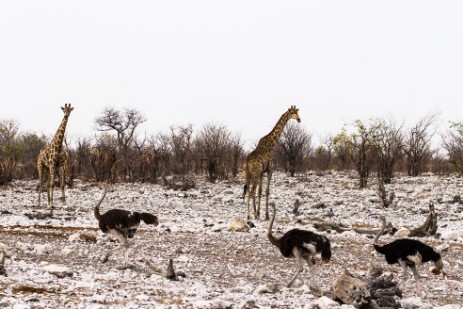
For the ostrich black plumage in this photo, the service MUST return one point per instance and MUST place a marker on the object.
(301, 245)
(122, 224)
(408, 253)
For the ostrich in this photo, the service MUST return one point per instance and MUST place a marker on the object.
(301, 245)
(122, 224)
(408, 253)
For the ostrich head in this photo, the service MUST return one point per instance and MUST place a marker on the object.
(326, 250)
(436, 258)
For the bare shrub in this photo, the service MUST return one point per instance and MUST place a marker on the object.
(294, 148)
(418, 144)
(453, 144)
(387, 139)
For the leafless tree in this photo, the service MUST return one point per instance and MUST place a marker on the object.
(10, 150)
(358, 145)
(453, 144)
(236, 153)
(82, 154)
(123, 123)
(8, 131)
(418, 144)
(212, 145)
(139, 157)
(103, 158)
(388, 144)
(179, 143)
(32, 144)
(294, 148)
(152, 157)
(343, 154)
(439, 164)
(323, 154)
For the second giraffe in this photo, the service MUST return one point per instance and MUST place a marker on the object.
(260, 161)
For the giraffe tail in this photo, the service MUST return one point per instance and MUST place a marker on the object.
(246, 179)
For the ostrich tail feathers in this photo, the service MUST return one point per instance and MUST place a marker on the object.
(149, 218)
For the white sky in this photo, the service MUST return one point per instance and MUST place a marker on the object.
(237, 63)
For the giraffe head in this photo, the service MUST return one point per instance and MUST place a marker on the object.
(67, 109)
(293, 113)
(57, 142)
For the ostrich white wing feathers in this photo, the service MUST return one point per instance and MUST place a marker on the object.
(417, 259)
(311, 247)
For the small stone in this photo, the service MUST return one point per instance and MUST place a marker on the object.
(58, 270)
(74, 237)
(247, 304)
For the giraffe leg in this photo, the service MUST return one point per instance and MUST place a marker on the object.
(259, 196)
(298, 255)
(246, 190)
(52, 185)
(62, 181)
(40, 171)
(248, 215)
(248, 199)
(267, 192)
(253, 194)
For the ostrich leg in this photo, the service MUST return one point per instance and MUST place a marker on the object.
(313, 281)
(298, 255)
(417, 279)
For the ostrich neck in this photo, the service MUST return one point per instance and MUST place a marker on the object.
(275, 241)
(375, 240)
(96, 210)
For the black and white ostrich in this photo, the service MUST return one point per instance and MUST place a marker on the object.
(301, 245)
(408, 253)
(122, 224)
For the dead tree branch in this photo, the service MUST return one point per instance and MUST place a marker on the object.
(340, 227)
(168, 273)
(2, 263)
(429, 227)
(374, 291)
(384, 198)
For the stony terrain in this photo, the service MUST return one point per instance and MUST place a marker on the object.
(55, 262)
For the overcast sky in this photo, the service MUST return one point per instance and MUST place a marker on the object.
(237, 63)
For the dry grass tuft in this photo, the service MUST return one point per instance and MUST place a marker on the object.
(26, 289)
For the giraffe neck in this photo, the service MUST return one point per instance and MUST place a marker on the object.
(271, 140)
(57, 141)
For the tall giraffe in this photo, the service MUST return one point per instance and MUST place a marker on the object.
(50, 157)
(260, 161)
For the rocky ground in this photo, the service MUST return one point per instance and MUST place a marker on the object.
(56, 262)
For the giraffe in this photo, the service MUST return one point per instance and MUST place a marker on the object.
(51, 157)
(260, 161)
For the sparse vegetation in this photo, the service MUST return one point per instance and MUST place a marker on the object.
(118, 152)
